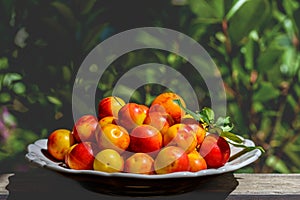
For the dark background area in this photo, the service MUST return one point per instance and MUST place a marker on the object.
(254, 44)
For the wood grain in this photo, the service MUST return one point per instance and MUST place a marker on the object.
(266, 186)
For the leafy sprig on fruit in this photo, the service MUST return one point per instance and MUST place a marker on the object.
(222, 126)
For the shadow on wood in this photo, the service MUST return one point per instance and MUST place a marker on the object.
(45, 184)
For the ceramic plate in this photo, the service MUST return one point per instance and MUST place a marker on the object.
(138, 184)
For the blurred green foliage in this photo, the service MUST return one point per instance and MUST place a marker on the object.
(254, 43)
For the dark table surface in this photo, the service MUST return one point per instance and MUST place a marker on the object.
(40, 183)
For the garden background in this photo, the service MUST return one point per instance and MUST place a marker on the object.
(254, 43)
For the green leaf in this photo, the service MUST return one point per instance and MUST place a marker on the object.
(67, 74)
(224, 123)
(19, 88)
(291, 100)
(248, 51)
(290, 62)
(257, 107)
(290, 6)
(54, 100)
(281, 41)
(5, 97)
(209, 11)
(268, 59)
(10, 78)
(234, 9)
(266, 92)
(232, 137)
(245, 149)
(243, 18)
(215, 130)
(208, 114)
(3, 63)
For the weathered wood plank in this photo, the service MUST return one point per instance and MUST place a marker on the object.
(266, 186)
(233, 186)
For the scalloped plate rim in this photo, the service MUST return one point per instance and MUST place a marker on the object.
(36, 156)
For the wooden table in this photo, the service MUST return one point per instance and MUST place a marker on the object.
(44, 184)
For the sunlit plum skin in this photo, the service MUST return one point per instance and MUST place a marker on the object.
(200, 133)
(58, 143)
(196, 126)
(114, 137)
(180, 135)
(172, 132)
(215, 150)
(157, 108)
(110, 106)
(196, 161)
(66, 160)
(81, 156)
(144, 108)
(132, 115)
(159, 120)
(145, 139)
(166, 100)
(108, 160)
(107, 120)
(171, 159)
(85, 128)
(188, 120)
(139, 163)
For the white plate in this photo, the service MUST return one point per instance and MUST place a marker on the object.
(137, 183)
